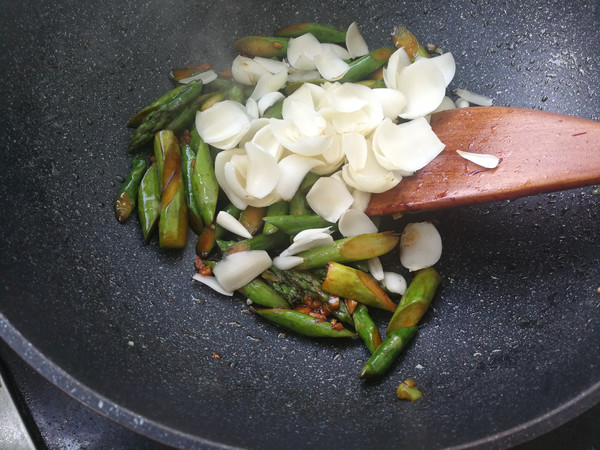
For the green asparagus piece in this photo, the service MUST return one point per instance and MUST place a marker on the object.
(188, 161)
(298, 204)
(276, 209)
(303, 323)
(204, 180)
(324, 33)
(262, 294)
(387, 353)
(164, 114)
(149, 202)
(403, 38)
(236, 93)
(366, 328)
(127, 195)
(356, 248)
(408, 390)
(268, 47)
(252, 218)
(348, 282)
(257, 242)
(135, 121)
(416, 299)
(211, 233)
(293, 224)
(362, 67)
(173, 222)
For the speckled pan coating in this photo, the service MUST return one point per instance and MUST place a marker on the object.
(508, 351)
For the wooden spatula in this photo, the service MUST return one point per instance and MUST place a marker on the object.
(539, 152)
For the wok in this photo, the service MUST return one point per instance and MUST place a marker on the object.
(509, 350)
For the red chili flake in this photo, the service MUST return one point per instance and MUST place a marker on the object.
(337, 326)
(227, 74)
(152, 159)
(199, 264)
(278, 45)
(216, 355)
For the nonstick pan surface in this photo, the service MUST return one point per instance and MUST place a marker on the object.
(508, 351)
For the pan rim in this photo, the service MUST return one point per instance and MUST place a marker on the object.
(169, 436)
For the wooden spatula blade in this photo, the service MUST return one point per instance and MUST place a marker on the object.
(539, 152)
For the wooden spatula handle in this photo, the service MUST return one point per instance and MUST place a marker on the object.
(539, 152)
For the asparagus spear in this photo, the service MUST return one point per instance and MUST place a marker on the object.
(387, 353)
(127, 195)
(135, 121)
(356, 248)
(403, 38)
(204, 180)
(268, 47)
(324, 33)
(262, 294)
(149, 202)
(173, 222)
(298, 204)
(276, 209)
(415, 300)
(257, 242)
(408, 390)
(293, 224)
(252, 218)
(164, 113)
(366, 328)
(188, 161)
(303, 323)
(351, 283)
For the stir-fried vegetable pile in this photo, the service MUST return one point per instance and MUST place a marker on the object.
(272, 164)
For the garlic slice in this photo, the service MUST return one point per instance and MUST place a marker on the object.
(354, 222)
(395, 282)
(330, 65)
(206, 77)
(212, 283)
(230, 223)
(246, 70)
(287, 262)
(376, 268)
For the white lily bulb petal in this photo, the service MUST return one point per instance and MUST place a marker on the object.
(420, 246)
(268, 100)
(354, 146)
(361, 199)
(269, 82)
(330, 65)
(271, 65)
(221, 160)
(238, 269)
(408, 147)
(291, 138)
(235, 171)
(375, 268)
(206, 77)
(394, 282)
(484, 160)
(373, 178)
(471, 97)
(447, 103)
(303, 75)
(230, 223)
(348, 97)
(223, 125)
(246, 70)
(308, 242)
(355, 43)
(392, 102)
(287, 262)
(252, 109)
(446, 64)
(305, 118)
(255, 126)
(336, 48)
(263, 172)
(398, 61)
(212, 283)
(424, 86)
(354, 222)
(302, 50)
(311, 232)
(329, 198)
(292, 170)
(265, 139)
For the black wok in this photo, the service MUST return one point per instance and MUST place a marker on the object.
(509, 351)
